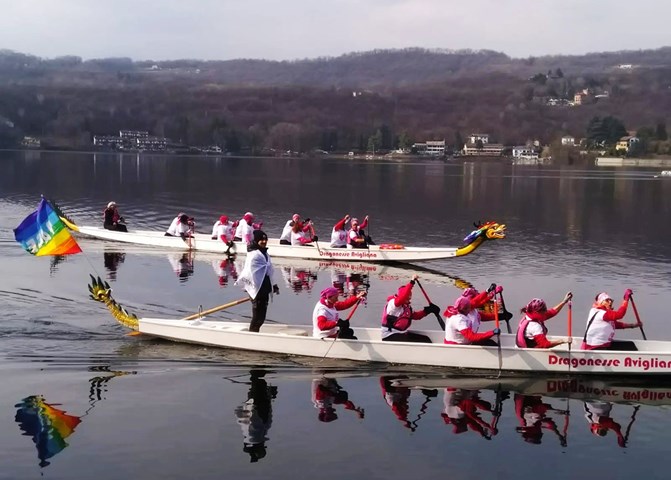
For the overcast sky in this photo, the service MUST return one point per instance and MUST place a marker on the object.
(291, 29)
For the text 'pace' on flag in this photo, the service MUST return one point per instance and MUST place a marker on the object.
(43, 233)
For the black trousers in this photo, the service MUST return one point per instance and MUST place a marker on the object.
(260, 305)
(407, 337)
(624, 345)
(118, 227)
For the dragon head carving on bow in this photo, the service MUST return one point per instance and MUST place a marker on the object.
(483, 231)
(102, 292)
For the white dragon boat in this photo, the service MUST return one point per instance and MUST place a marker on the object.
(316, 251)
(653, 358)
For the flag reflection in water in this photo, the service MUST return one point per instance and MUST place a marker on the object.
(47, 425)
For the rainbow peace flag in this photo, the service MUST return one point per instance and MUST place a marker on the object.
(47, 425)
(43, 233)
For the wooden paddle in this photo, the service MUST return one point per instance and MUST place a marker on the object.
(638, 319)
(217, 309)
(440, 320)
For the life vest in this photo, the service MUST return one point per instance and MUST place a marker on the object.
(396, 318)
(520, 339)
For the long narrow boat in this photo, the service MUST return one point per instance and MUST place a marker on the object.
(317, 251)
(653, 358)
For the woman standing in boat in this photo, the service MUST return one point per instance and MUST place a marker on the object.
(602, 322)
(462, 328)
(325, 321)
(112, 220)
(398, 315)
(532, 332)
(257, 278)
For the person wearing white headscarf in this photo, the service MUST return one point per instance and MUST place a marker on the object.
(602, 322)
(256, 278)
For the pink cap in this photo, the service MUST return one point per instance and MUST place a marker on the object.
(329, 292)
(462, 305)
(223, 219)
(536, 305)
(469, 292)
(296, 217)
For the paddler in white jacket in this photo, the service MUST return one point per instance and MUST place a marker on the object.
(257, 278)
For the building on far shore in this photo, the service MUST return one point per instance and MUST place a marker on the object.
(134, 140)
(430, 147)
(478, 145)
(626, 143)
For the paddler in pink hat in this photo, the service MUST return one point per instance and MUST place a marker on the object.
(325, 318)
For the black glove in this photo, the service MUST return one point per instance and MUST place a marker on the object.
(505, 316)
(491, 288)
(315, 238)
(276, 289)
(432, 308)
(343, 324)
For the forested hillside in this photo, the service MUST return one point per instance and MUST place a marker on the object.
(335, 104)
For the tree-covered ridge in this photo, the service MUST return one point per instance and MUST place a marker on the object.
(383, 99)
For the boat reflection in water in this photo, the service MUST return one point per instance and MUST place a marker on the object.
(598, 415)
(462, 409)
(182, 265)
(255, 415)
(225, 270)
(112, 260)
(326, 393)
(536, 403)
(49, 425)
(298, 278)
(397, 397)
(534, 416)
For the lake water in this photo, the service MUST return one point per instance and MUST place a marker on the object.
(81, 399)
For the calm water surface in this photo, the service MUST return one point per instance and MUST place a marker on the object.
(82, 400)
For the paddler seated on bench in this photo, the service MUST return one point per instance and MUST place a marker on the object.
(181, 226)
(112, 220)
(339, 234)
(532, 332)
(603, 321)
(462, 325)
(356, 236)
(325, 318)
(398, 315)
(303, 234)
(285, 237)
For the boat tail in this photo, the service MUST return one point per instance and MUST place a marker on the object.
(102, 292)
(483, 232)
(64, 218)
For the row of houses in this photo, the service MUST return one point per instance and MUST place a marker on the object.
(131, 140)
(478, 144)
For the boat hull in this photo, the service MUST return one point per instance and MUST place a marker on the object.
(202, 242)
(653, 358)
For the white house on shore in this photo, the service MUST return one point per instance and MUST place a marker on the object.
(568, 140)
(478, 145)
